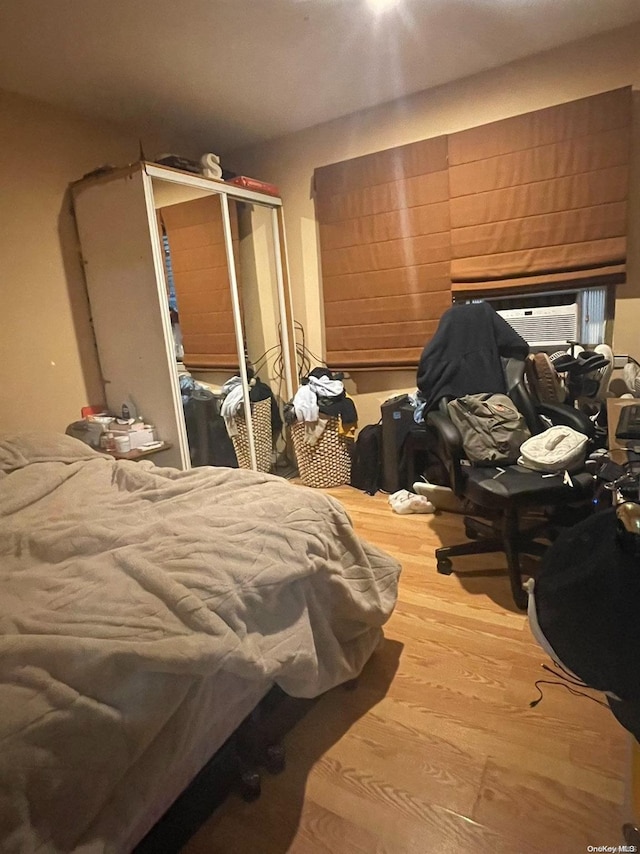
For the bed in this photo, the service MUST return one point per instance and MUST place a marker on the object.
(143, 614)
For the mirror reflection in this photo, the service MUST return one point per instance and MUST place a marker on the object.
(198, 281)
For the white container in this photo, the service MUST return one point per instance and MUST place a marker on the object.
(136, 437)
(123, 444)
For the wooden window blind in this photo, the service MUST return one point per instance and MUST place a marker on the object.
(540, 200)
(385, 248)
(201, 279)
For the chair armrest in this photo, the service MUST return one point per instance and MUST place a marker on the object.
(447, 432)
(567, 416)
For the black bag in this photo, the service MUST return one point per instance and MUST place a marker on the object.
(366, 459)
(587, 597)
(209, 442)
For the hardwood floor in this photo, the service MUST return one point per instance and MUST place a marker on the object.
(438, 749)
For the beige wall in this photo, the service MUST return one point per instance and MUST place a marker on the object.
(48, 364)
(564, 74)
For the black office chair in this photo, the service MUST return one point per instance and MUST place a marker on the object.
(504, 498)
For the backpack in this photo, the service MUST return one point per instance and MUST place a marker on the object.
(209, 442)
(491, 428)
(557, 449)
(366, 459)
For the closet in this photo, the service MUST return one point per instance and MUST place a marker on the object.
(165, 250)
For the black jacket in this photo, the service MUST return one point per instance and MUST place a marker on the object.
(463, 357)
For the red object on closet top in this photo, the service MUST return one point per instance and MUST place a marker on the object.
(254, 184)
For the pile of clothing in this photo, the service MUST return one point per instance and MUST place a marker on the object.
(233, 401)
(321, 396)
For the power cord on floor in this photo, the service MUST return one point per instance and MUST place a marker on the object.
(565, 680)
(566, 675)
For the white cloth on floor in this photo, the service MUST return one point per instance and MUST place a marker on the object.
(404, 502)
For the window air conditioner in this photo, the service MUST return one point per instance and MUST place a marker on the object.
(548, 326)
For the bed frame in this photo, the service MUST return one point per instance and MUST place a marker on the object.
(236, 766)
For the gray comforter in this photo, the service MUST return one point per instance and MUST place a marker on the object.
(123, 586)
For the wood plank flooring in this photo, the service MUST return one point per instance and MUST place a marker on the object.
(438, 749)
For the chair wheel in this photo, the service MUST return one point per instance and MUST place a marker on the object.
(444, 566)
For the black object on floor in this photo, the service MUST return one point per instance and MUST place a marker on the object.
(366, 459)
(397, 422)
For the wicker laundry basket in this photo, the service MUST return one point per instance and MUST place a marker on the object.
(261, 418)
(328, 462)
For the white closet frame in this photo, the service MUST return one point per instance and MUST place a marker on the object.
(124, 270)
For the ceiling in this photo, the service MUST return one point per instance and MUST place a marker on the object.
(229, 73)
